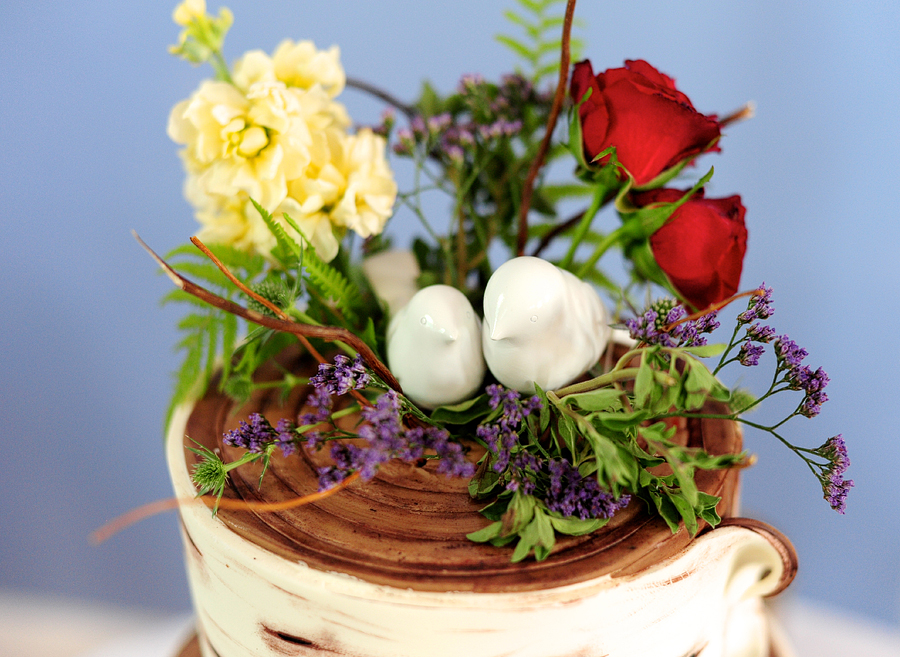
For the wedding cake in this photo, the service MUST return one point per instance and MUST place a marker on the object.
(385, 568)
(503, 451)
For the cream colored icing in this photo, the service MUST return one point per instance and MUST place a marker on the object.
(707, 600)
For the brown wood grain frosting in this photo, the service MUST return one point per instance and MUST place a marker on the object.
(407, 527)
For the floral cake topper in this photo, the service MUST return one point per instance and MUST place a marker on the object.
(497, 334)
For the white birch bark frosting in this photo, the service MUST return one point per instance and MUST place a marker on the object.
(252, 602)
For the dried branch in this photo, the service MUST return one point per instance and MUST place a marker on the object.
(556, 230)
(134, 516)
(372, 90)
(538, 162)
(328, 333)
(271, 306)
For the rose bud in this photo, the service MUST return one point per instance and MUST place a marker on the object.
(701, 247)
(637, 109)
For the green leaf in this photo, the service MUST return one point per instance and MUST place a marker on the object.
(706, 350)
(463, 412)
(687, 513)
(486, 534)
(602, 399)
(537, 536)
(517, 47)
(576, 526)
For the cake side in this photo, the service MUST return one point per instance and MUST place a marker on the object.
(254, 602)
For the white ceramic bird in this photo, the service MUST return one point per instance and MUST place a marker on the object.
(542, 325)
(434, 347)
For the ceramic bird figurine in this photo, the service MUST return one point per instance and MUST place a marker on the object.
(541, 325)
(393, 275)
(434, 347)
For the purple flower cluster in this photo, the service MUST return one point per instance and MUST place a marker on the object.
(259, 434)
(650, 327)
(502, 434)
(489, 112)
(750, 353)
(801, 377)
(760, 306)
(342, 377)
(575, 496)
(387, 439)
(834, 486)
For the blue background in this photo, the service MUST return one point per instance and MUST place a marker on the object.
(86, 352)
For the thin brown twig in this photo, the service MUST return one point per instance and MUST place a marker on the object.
(712, 307)
(328, 333)
(558, 98)
(556, 230)
(134, 516)
(231, 277)
(372, 90)
(271, 306)
(740, 114)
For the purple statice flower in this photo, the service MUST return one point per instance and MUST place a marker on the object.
(572, 495)
(760, 333)
(418, 127)
(789, 353)
(523, 467)
(257, 435)
(285, 435)
(836, 491)
(438, 124)
(813, 384)
(455, 154)
(406, 142)
(253, 436)
(387, 439)
(342, 377)
(801, 377)
(649, 327)
(750, 353)
(760, 306)
(388, 119)
(643, 328)
(502, 434)
(470, 82)
(834, 486)
(835, 450)
(319, 400)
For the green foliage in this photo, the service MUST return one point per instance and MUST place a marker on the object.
(208, 334)
(542, 22)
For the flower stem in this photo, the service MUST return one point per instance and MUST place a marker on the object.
(558, 98)
(602, 248)
(584, 224)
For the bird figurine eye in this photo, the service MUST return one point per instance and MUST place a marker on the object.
(533, 319)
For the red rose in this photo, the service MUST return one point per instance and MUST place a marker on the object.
(638, 110)
(701, 247)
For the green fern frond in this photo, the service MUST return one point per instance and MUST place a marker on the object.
(331, 285)
(541, 21)
(286, 251)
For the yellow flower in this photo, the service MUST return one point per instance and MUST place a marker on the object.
(189, 11)
(302, 65)
(253, 142)
(354, 189)
(234, 221)
(277, 135)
